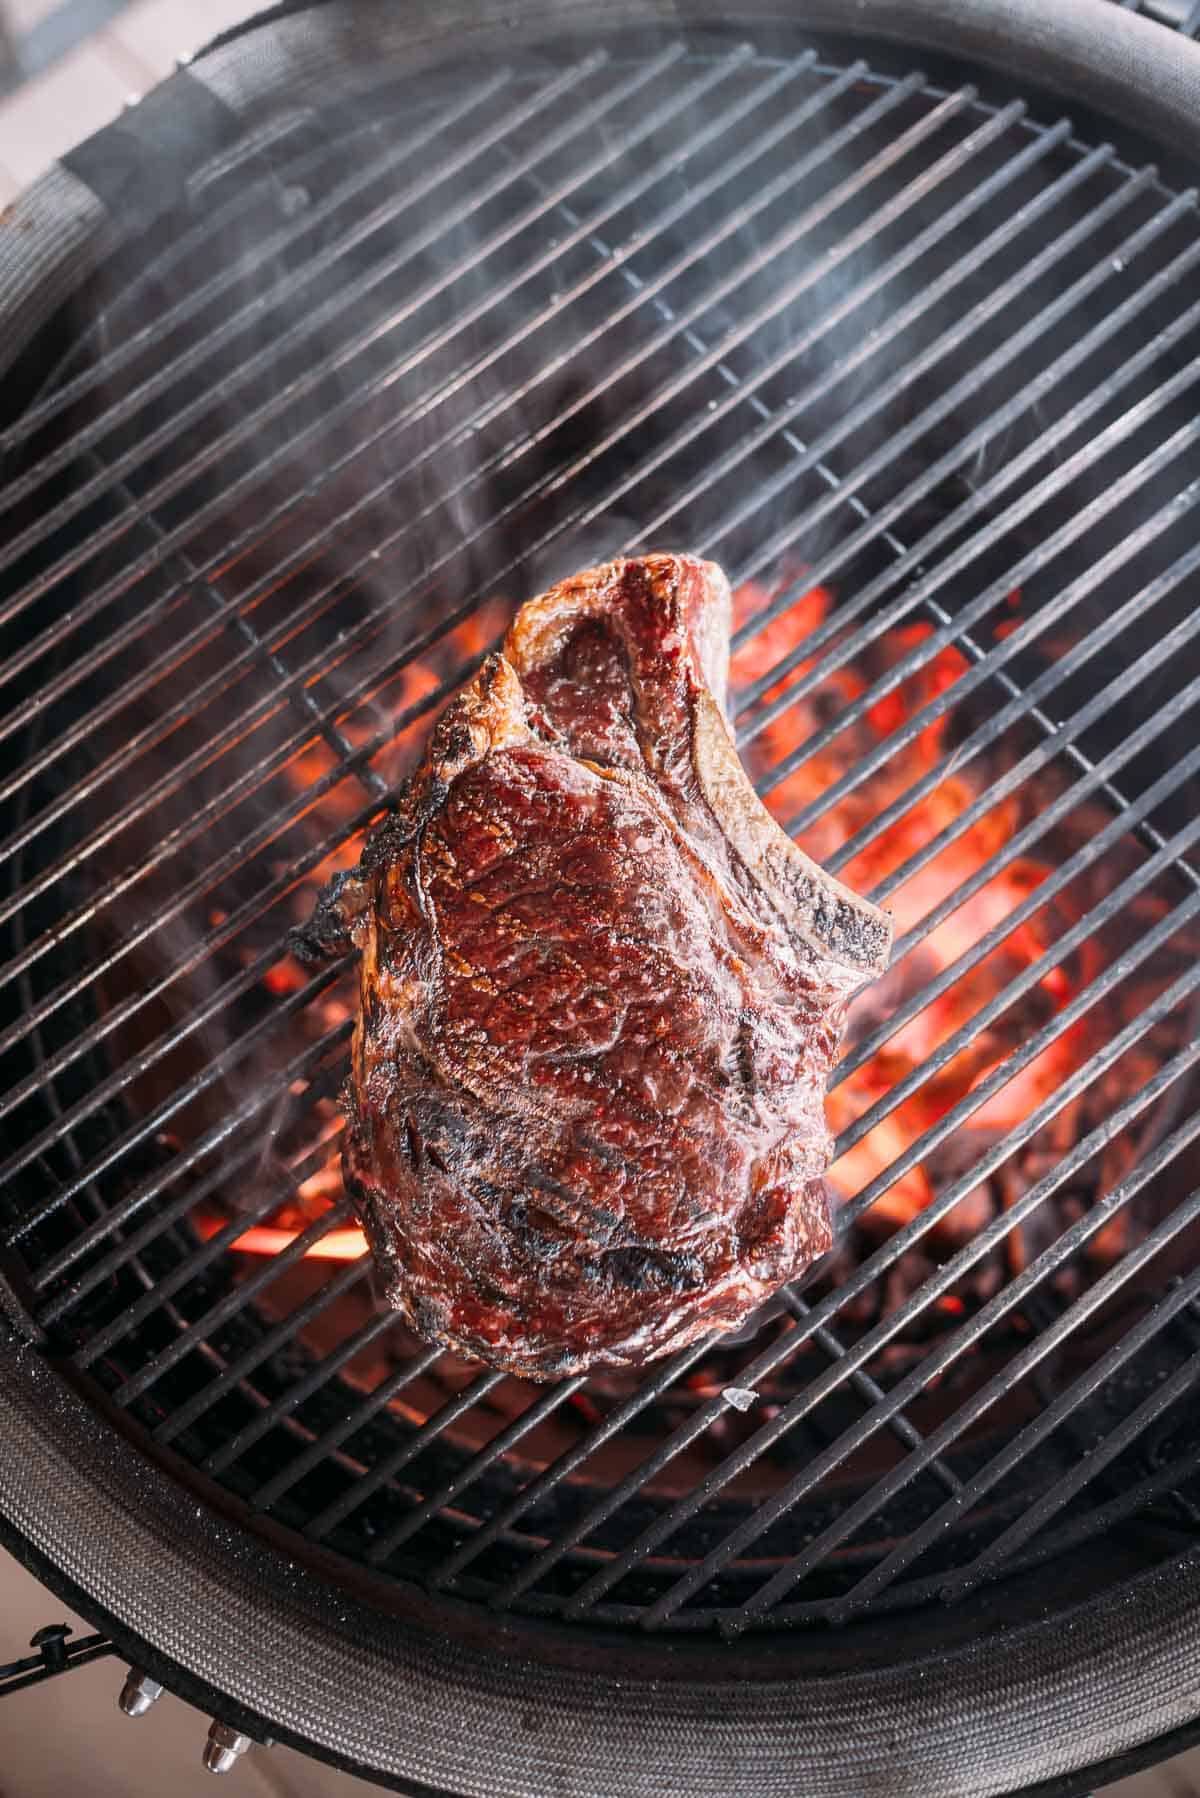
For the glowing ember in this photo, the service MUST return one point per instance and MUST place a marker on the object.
(268, 1239)
(916, 1042)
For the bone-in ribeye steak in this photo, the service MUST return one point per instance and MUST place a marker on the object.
(601, 993)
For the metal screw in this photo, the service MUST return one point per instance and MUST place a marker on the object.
(138, 1693)
(224, 1748)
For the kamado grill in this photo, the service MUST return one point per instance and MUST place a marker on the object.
(361, 329)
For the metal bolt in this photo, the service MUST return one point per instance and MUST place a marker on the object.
(224, 1748)
(138, 1693)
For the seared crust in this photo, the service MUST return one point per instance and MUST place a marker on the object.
(601, 993)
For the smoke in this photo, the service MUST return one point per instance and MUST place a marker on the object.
(483, 329)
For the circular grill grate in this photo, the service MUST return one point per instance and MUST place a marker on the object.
(388, 373)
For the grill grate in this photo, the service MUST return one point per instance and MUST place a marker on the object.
(845, 333)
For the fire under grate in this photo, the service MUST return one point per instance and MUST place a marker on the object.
(920, 371)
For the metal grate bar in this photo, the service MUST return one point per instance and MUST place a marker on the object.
(1124, 487)
(962, 1501)
(300, 698)
(146, 1191)
(392, 1464)
(1060, 740)
(499, 1445)
(848, 1369)
(214, 1183)
(216, 938)
(829, 203)
(1031, 832)
(172, 428)
(1018, 709)
(398, 158)
(331, 1439)
(287, 686)
(1145, 833)
(215, 1069)
(874, 1265)
(979, 1402)
(842, 490)
(1129, 817)
(712, 358)
(1099, 571)
(280, 1188)
(1020, 1058)
(869, 1391)
(187, 707)
(1056, 882)
(665, 1376)
(508, 1438)
(220, 1313)
(218, 870)
(643, 292)
(284, 1332)
(252, 533)
(245, 785)
(220, 225)
(248, 782)
(695, 254)
(1096, 1460)
(910, 369)
(319, 1376)
(275, 1193)
(281, 1409)
(950, 162)
(213, 452)
(983, 496)
(202, 633)
(677, 325)
(918, 1591)
(323, 314)
(311, 714)
(913, 1383)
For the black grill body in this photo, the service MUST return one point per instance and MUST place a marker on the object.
(358, 331)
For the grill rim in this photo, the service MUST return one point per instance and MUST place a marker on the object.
(229, 1605)
(246, 67)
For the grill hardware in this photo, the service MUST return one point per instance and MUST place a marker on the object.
(923, 355)
(55, 1655)
(123, 1221)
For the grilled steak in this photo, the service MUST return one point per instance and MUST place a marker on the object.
(601, 993)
